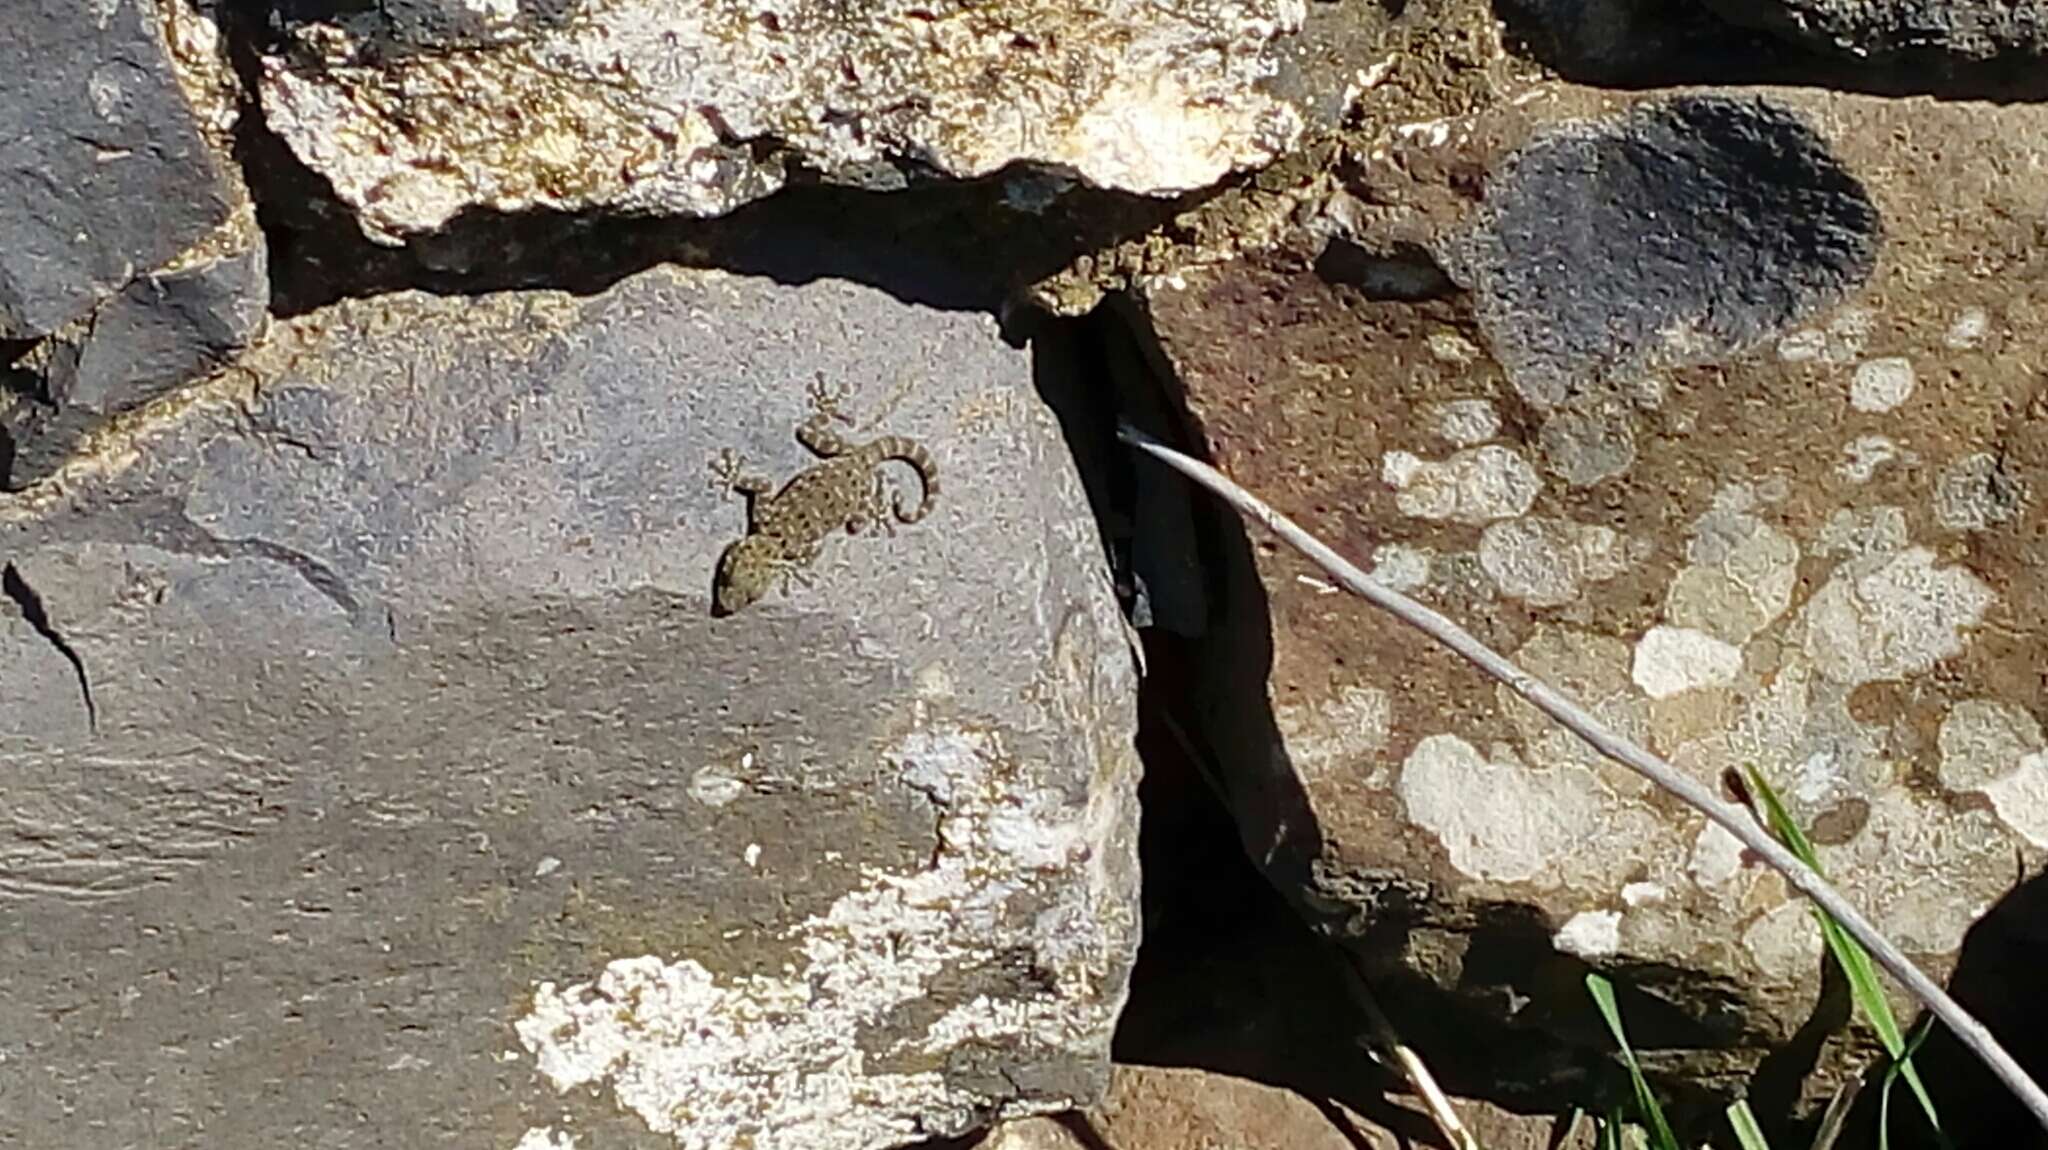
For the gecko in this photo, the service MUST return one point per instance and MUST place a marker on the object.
(844, 489)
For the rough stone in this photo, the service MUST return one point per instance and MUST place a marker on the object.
(377, 774)
(1966, 30)
(107, 174)
(166, 328)
(1172, 1108)
(1813, 561)
(1683, 231)
(661, 106)
(146, 270)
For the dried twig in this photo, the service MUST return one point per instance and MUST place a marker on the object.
(1551, 702)
(1384, 1042)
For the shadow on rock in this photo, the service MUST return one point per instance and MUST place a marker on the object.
(1998, 978)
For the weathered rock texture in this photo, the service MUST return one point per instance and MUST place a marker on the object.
(129, 251)
(1971, 30)
(1729, 426)
(1171, 1108)
(661, 106)
(376, 774)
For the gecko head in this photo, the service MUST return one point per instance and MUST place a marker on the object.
(745, 572)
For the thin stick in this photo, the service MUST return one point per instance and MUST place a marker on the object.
(1551, 702)
(1386, 1045)
(1410, 1065)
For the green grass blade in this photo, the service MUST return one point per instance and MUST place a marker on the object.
(1748, 1134)
(1903, 1067)
(1661, 1137)
(1610, 1130)
(1855, 962)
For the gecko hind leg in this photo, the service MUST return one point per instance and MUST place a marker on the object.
(879, 506)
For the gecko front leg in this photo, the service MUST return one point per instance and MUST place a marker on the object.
(817, 433)
(729, 474)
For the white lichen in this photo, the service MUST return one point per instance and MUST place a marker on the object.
(1784, 941)
(1975, 492)
(1968, 330)
(1672, 660)
(1584, 446)
(1995, 749)
(1880, 385)
(1500, 819)
(1465, 422)
(1546, 562)
(784, 1059)
(1839, 342)
(1590, 934)
(1888, 617)
(1739, 578)
(1476, 485)
(1857, 531)
(1866, 453)
(1400, 566)
(1336, 732)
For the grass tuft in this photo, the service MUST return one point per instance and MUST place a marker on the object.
(1853, 959)
(1652, 1114)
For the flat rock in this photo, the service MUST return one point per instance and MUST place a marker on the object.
(379, 775)
(661, 106)
(1728, 425)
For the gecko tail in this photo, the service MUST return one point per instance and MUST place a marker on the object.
(920, 460)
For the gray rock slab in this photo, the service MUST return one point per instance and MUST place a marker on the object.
(421, 801)
(105, 173)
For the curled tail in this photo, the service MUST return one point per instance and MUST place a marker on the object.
(913, 453)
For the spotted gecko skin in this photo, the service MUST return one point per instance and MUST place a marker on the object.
(844, 490)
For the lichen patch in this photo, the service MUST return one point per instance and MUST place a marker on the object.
(1880, 385)
(1335, 731)
(1548, 562)
(1501, 819)
(784, 1060)
(1863, 455)
(1968, 329)
(1784, 941)
(1996, 749)
(1672, 660)
(1465, 422)
(1476, 485)
(1976, 492)
(1739, 579)
(1583, 447)
(1590, 934)
(1400, 566)
(1887, 617)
